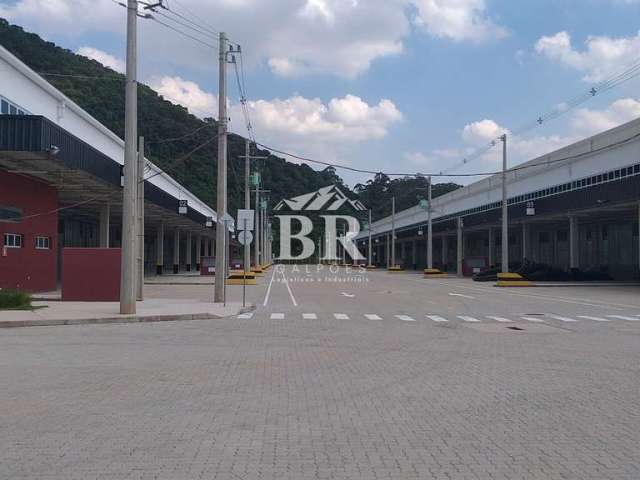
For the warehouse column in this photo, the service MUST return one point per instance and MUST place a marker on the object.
(388, 251)
(188, 260)
(460, 248)
(574, 258)
(105, 212)
(638, 235)
(176, 251)
(525, 241)
(491, 244)
(160, 249)
(198, 251)
(444, 252)
(413, 254)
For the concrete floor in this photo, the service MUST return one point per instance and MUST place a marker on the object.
(342, 376)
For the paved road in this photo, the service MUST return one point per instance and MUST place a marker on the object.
(336, 376)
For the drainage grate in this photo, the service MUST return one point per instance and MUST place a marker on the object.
(516, 328)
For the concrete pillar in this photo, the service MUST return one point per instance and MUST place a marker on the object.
(574, 258)
(198, 251)
(638, 235)
(388, 251)
(176, 251)
(188, 253)
(491, 245)
(460, 248)
(525, 242)
(160, 249)
(413, 254)
(445, 247)
(105, 212)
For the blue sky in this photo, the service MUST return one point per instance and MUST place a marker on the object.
(391, 85)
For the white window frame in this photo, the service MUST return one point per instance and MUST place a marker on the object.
(13, 236)
(46, 243)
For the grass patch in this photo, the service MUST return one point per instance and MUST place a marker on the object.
(15, 300)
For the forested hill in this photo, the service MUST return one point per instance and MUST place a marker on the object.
(192, 159)
(100, 91)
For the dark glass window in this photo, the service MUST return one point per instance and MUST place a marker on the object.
(4, 107)
(563, 235)
(12, 110)
(10, 214)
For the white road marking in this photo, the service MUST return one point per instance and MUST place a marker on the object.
(460, 295)
(437, 318)
(372, 316)
(341, 316)
(309, 316)
(348, 295)
(277, 316)
(562, 319)
(595, 319)
(622, 317)
(405, 318)
(533, 319)
(246, 316)
(266, 295)
(286, 282)
(500, 319)
(467, 319)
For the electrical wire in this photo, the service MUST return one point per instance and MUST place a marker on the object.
(154, 19)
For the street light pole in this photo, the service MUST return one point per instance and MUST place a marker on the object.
(129, 240)
(505, 211)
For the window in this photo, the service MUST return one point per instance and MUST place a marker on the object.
(543, 237)
(4, 107)
(13, 240)
(10, 214)
(43, 243)
(562, 235)
(12, 110)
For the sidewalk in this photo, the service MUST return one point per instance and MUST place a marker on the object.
(83, 313)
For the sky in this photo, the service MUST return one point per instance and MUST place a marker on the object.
(413, 86)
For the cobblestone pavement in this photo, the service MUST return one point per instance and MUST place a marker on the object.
(309, 394)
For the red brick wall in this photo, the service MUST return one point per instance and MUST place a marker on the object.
(91, 274)
(27, 268)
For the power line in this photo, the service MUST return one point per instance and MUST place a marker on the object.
(152, 18)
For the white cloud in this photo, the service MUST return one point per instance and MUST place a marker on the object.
(188, 94)
(477, 135)
(587, 122)
(104, 58)
(296, 37)
(348, 119)
(458, 19)
(602, 56)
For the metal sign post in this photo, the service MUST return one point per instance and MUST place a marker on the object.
(244, 277)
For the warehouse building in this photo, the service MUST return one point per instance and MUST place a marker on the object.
(60, 187)
(574, 210)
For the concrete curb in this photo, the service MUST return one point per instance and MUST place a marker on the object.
(120, 319)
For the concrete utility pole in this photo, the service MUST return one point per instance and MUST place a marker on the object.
(257, 221)
(247, 199)
(128, 256)
(393, 231)
(221, 247)
(140, 235)
(370, 254)
(505, 210)
(429, 229)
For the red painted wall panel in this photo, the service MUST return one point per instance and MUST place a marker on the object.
(91, 274)
(27, 268)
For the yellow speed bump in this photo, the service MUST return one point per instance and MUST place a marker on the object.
(396, 269)
(512, 280)
(238, 277)
(371, 267)
(433, 273)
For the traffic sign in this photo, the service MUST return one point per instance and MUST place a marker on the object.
(245, 237)
(245, 219)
